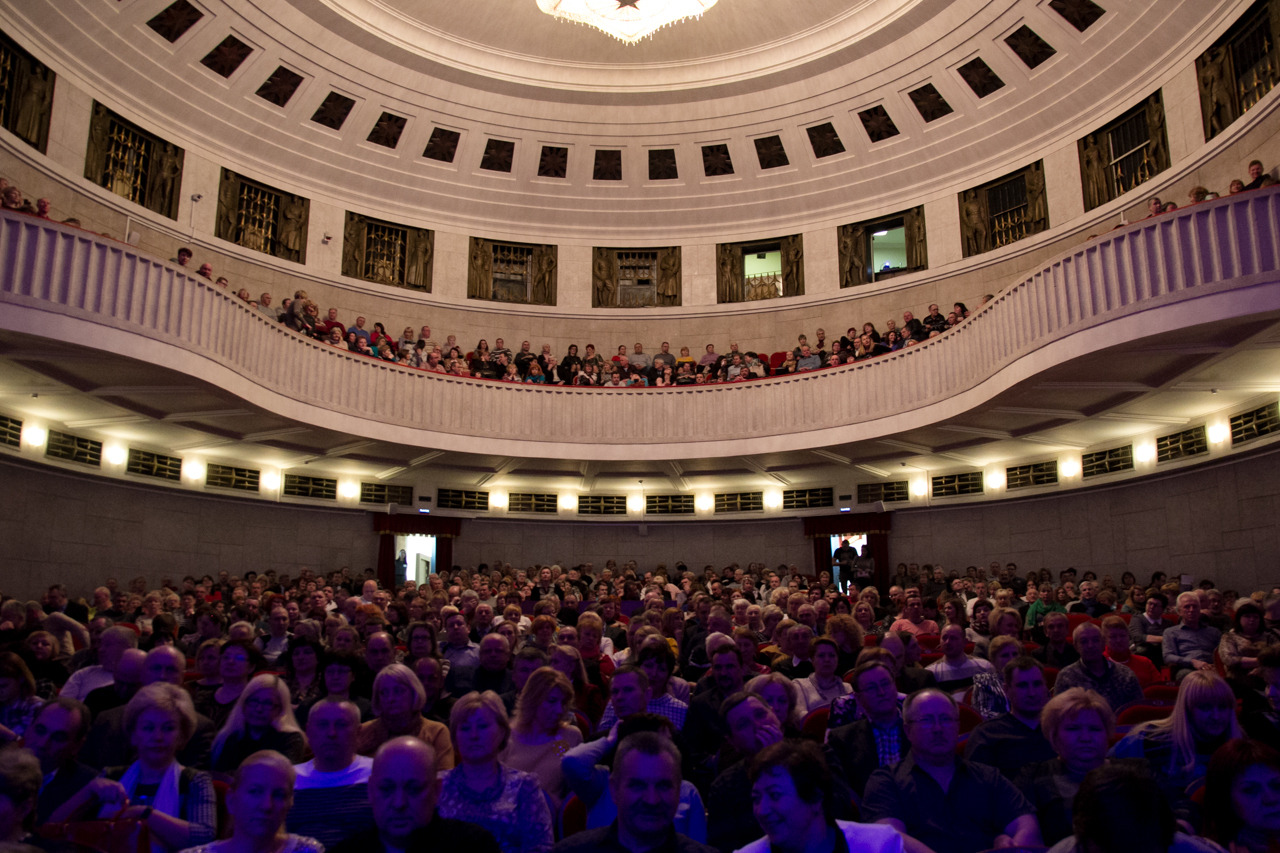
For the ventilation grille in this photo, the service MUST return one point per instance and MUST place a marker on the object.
(668, 505)
(154, 465)
(381, 493)
(602, 505)
(740, 502)
(808, 498)
(1250, 425)
(73, 448)
(533, 502)
(231, 477)
(1107, 461)
(951, 485)
(11, 432)
(462, 499)
(320, 488)
(869, 493)
(1180, 445)
(1037, 474)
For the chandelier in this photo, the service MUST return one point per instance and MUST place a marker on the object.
(626, 20)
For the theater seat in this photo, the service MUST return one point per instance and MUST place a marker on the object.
(573, 816)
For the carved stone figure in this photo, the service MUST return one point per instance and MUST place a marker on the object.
(973, 223)
(544, 276)
(728, 273)
(417, 262)
(604, 278)
(480, 270)
(95, 156)
(669, 276)
(228, 205)
(293, 219)
(917, 239)
(1215, 92)
(852, 254)
(33, 106)
(1037, 205)
(163, 181)
(1093, 173)
(793, 265)
(1158, 149)
(353, 246)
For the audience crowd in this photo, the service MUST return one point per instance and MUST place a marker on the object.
(624, 708)
(589, 367)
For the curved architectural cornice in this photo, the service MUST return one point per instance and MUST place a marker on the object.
(1214, 261)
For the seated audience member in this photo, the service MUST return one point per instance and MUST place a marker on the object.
(1240, 797)
(856, 750)
(18, 700)
(1146, 629)
(587, 697)
(262, 719)
(1079, 724)
(462, 654)
(910, 676)
(404, 787)
(780, 694)
(792, 792)
(302, 671)
(819, 688)
(276, 642)
(338, 673)
(481, 790)
(238, 661)
(20, 781)
(950, 805)
(494, 670)
(108, 743)
(794, 661)
(587, 768)
(1257, 177)
(955, 670)
(1115, 682)
(1189, 645)
(1116, 634)
(527, 661)
(1239, 648)
(1262, 721)
(55, 737)
(398, 700)
(260, 797)
(1179, 746)
(1089, 603)
(331, 796)
(1120, 809)
(912, 619)
(750, 727)
(111, 645)
(1057, 651)
(1014, 739)
(176, 804)
(541, 733)
(703, 730)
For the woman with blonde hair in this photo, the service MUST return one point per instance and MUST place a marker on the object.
(584, 696)
(175, 803)
(262, 718)
(1078, 724)
(541, 733)
(398, 700)
(259, 800)
(1179, 747)
(483, 790)
(780, 694)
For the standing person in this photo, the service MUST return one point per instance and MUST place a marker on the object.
(260, 797)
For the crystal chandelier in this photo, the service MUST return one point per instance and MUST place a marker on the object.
(626, 20)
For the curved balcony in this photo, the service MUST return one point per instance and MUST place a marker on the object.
(1212, 262)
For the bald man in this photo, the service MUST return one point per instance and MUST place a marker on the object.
(403, 789)
(331, 797)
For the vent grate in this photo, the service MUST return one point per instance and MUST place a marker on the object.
(319, 488)
(1107, 461)
(891, 492)
(602, 505)
(952, 485)
(10, 432)
(462, 499)
(1036, 474)
(381, 493)
(740, 502)
(668, 505)
(74, 448)
(1181, 445)
(1247, 426)
(808, 498)
(149, 464)
(534, 502)
(230, 477)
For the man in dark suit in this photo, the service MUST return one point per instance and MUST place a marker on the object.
(55, 737)
(876, 740)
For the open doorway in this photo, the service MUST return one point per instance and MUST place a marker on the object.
(415, 557)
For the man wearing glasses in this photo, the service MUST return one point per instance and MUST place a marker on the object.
(948, 804)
